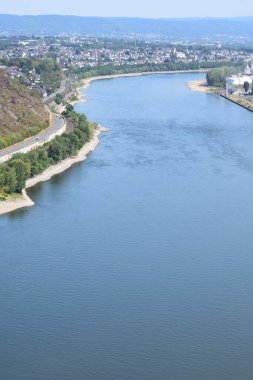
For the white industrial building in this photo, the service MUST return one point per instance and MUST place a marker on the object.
(240, 79)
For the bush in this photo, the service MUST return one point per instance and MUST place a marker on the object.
(217, 77)
(15, 172)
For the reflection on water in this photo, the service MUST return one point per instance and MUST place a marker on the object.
(137, 263)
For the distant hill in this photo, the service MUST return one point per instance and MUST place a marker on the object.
(22, 113)
(190, 29)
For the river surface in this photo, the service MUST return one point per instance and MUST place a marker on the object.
(137, 264)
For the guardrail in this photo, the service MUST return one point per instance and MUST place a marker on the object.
(36, 144)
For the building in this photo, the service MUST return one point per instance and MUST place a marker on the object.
(239, 80)
(180, 55)
(247, 70)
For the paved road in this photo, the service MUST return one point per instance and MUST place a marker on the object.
(60, 90)
(57, 124)
(65, 88)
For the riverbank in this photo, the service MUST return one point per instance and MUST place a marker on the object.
(85, 83)
(24, 201)
(200, 86)
(240, 102)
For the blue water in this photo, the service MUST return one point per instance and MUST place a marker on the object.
(137, 264)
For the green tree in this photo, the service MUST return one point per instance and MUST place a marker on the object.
(10, 180)
(2, 178)
(15, 172)
(22, 170)
(246, 86)
(59, 98)
(69, 110)
(217, 77)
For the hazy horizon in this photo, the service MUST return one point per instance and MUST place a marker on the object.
(134, 17)
(131, 9)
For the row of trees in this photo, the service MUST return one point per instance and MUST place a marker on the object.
(217, 76)
(14, 138)
(110, 69)
(15, 172)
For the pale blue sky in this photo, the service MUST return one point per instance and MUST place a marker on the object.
(131, 8)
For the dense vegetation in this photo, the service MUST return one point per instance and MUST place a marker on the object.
(48, 69)
(14, 138)
(167, 66)
(217, 77)
(59, 98)
(22, 113)
(15, 172)
(50, 74)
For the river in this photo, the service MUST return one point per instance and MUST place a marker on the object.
(137, 263)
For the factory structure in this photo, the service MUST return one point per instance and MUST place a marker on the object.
(240, 79)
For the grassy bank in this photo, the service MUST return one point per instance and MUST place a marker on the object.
(240, 102)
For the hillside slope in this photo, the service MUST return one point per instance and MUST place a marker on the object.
(22, 113)
(189, 28)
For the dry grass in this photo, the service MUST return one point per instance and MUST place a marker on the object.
(22, 112)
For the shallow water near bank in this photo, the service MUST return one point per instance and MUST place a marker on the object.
(137, 263)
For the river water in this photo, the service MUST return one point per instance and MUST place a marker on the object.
(137, 264)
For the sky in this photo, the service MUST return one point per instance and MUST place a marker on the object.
(131, 8)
